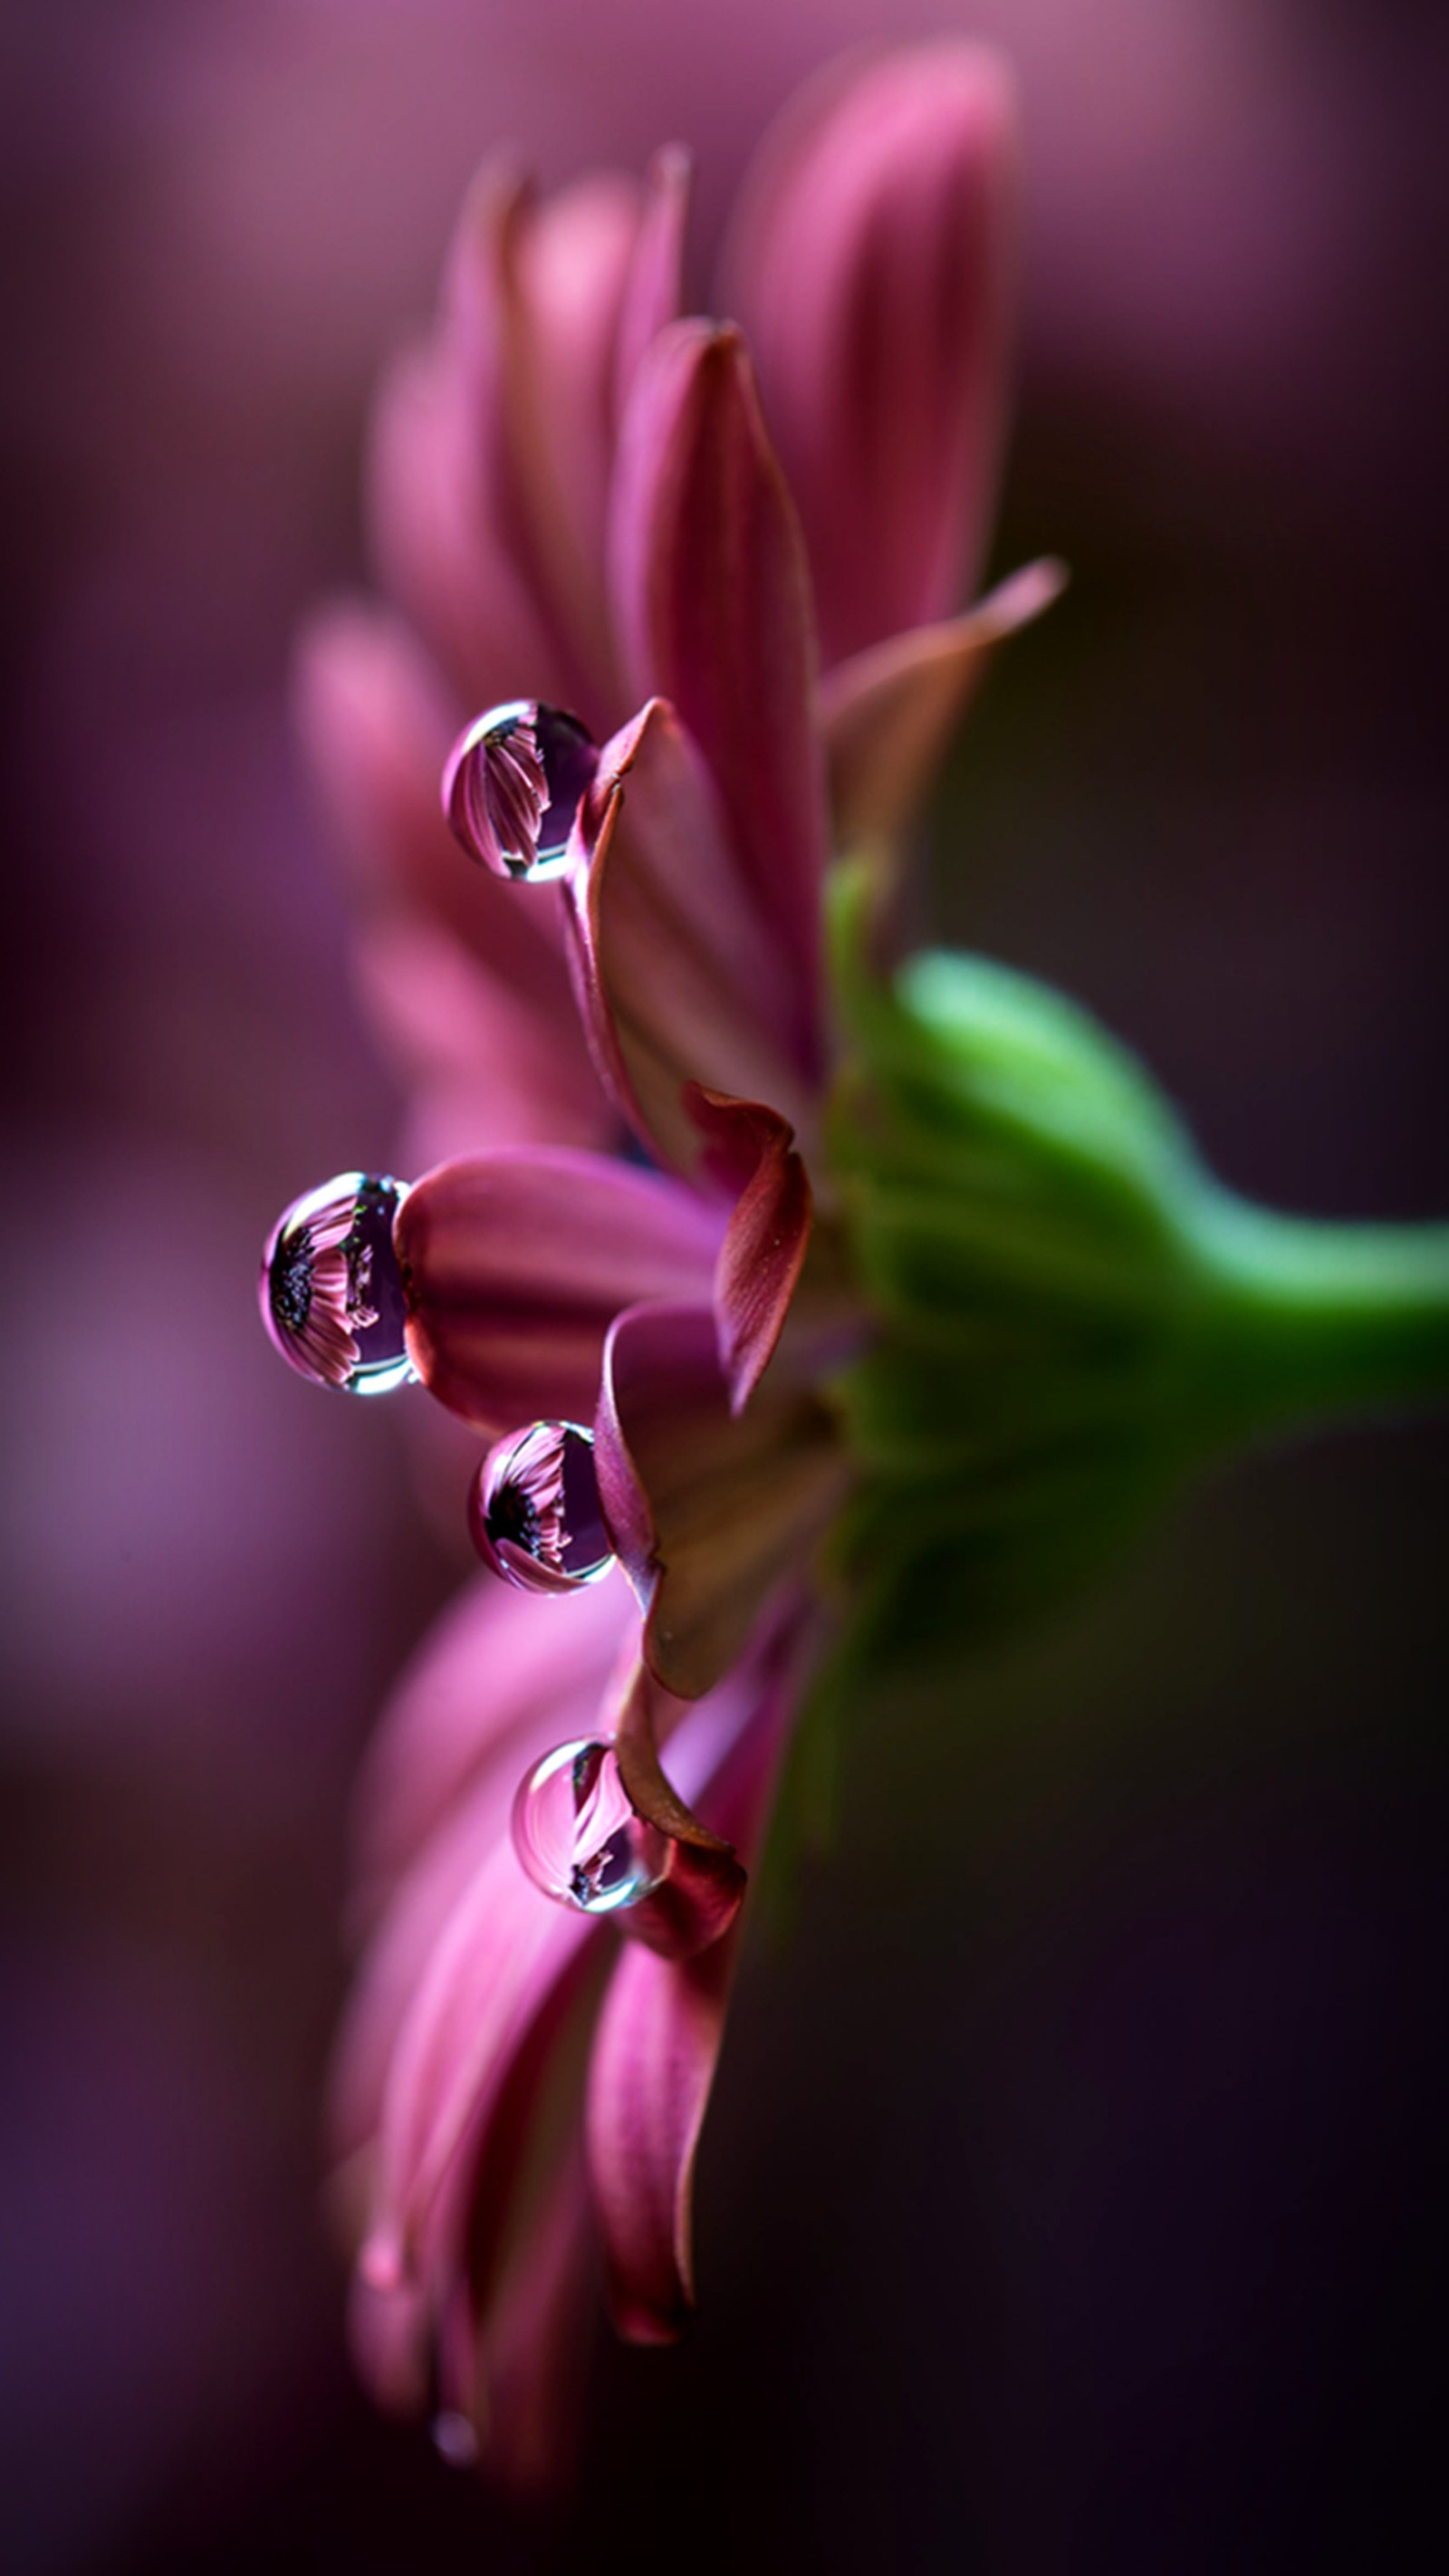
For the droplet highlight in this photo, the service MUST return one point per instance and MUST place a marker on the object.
(331, 1290)
(513, 785)
(454, 2439)
(577, 1836)
(534, 1509)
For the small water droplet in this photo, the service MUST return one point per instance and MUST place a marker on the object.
(514, 781)
(577, 1836)
(454, 2438)
(331, 1287)
(534, 1509)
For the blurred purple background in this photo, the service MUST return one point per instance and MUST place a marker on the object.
(1069, 2199)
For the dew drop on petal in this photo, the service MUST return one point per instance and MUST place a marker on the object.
(331, 1288)
(514, 781)
(534, 1509)
(577, 1836)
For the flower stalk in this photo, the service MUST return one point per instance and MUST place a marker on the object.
(1073, 1314)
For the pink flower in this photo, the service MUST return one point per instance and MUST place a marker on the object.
(578, 500)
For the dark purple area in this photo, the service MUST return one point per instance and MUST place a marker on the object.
(587, 1544)
(570, 757)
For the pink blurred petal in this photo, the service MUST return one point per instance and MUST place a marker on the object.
(433, 550)
(516, 1264)
(712, 595)
(653, 2065)
(530, 2370)
(711, 1512)
(578, 277)
(750, 1151)
(871, 264)
(657, 2044)
(653, 292)
(500, 1961)
(482, 1065)
(498, 1679)
(678, 975)
(890, 712)
(377, 726)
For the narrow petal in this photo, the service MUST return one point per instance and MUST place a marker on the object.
(580, 278)
(482, 1065)
(713, 599)
(704, 1883)
(500, 1678)
(658, 2041)
(515, 1265)
(653, 291)
(653, 2065)
(501, 1961)
(376, 725)
(533, 2349)
(711, 1512)
(433, 550)
(493, 445)
(679, 976)
(871, 264)
(750, 1151)
(890, 712)
(453, 2227)
(466, 984)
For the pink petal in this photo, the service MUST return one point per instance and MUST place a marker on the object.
(376, 725)
(562, 299)
(653, 292)
(482, 1064)
(501, 1961)
(444, 2252)
(678, 974)
(499, 1678)
(493, 446)
(653, 2065)
(516, 1264)
(750, 1151)
(657, 2043)
(704, 1884)
(713, 600)
(712, 1513)
(871, 264)
(530, 2372)
(433, 549)
(890, 712)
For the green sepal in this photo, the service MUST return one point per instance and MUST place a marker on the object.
(1071, 1313)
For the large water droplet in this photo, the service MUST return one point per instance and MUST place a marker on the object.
(331, 1288)
(577, 1835)
(534, 1509)
(514, 781)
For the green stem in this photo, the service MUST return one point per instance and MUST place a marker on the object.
(1304, 1320)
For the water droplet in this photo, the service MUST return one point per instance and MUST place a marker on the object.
(534, 1509)
(577, 1836)
(454, 2439)
(331, 1288)
(513, 785)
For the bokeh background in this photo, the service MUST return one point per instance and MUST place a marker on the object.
(1070, 2197)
